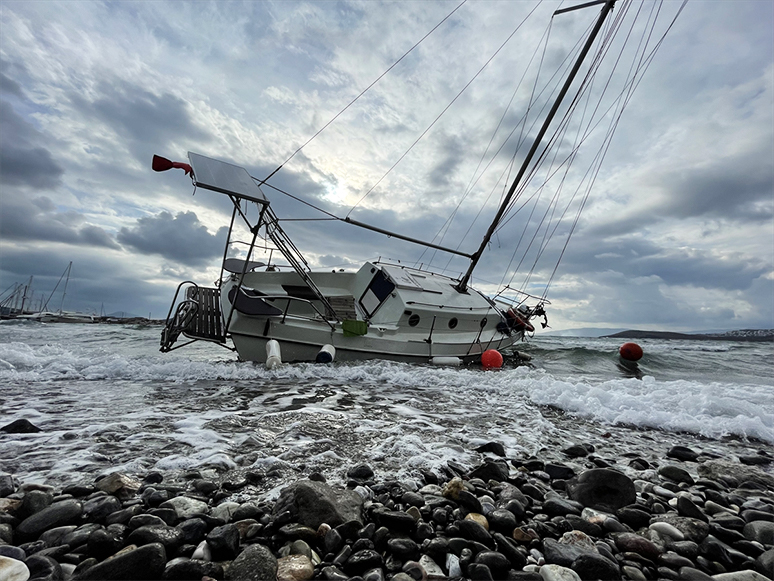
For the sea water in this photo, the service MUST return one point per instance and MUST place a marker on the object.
(106, 400)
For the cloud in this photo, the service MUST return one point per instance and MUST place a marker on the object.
(7, 84)
(145, 121)
(181, 238)
(22, 163)
(37, 219)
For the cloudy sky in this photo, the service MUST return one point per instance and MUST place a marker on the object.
(677, 229)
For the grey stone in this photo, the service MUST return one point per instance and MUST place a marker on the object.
(7, 484)
(98, 508)
(511, 551)
(43, 568)
(193, 530)
(557, 506)
(362, 561)
(563, 554)
(58, 514)
(595, 566)
(475, 532)
(502, 520)
(361, 472)
(693, 574)
(497, 563)
(559, 471)
(761, 531)
(185, 507)
(676, 474)
(395, 520)
(183, 569)
(634, 517)
(674, 561)
(603, 489)
(469, 502)
(491, 470)
(166, 535)
(144, 520)
(34, 501)
(694, 530)
(479, 572)
(124, 515)
(637, 544)
(765, 563)
(493, 447)
(145, 562)
(403, 548)
(686, 507)
(683, 453)
(224, 542)
(312, 503)
(12, 552)
(255, 563)
(746, 575)
(20, 427)
(101, 543)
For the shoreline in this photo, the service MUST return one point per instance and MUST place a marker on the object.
(687, 514)
(753, 337)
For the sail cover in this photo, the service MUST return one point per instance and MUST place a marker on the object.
(226, 178)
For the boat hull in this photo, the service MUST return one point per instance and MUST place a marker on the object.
(252, 347)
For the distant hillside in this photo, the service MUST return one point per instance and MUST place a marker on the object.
(740, 335)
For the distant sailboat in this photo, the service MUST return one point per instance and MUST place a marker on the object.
(61, 316)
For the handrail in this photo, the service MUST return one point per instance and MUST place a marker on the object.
(285, 312)
(174, 300)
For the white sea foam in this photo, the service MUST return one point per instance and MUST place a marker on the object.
(105, 407)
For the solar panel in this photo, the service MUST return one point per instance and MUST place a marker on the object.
(226, 178)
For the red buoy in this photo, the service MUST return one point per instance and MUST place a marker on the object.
(630, 352)
(491, 359)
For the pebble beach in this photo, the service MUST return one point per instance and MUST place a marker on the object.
(119, 463)
(689, 516)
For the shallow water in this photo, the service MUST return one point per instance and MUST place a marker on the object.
(107, 400)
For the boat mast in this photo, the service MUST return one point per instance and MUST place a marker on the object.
(61, 305)
(463, 284)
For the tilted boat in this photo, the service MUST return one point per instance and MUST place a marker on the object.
(383, 310)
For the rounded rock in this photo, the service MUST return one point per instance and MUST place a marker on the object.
(13, 569)
(602, 488)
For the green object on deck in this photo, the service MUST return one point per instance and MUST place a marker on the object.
(353, 328)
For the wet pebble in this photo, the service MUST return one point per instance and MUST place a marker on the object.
(543, 519)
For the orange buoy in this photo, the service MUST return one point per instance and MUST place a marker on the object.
(491, 359)
(630, 352)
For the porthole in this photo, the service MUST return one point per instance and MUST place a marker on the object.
(483, 322)
(413, 320)
(452, 323)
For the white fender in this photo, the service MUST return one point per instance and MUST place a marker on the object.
(452, 361)
(273, 355)
(326, 354)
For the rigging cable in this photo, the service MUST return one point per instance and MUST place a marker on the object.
(649, 61)
(418, 139)
(446, 226)
(363, 92)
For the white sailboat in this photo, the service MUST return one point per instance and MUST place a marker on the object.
(383, 310)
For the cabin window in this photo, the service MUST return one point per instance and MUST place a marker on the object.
(413, 320)
(376, 293)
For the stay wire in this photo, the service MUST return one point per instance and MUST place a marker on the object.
(557, 137)
(363, 92)
(634, 83)
(446, 226)
(441, 114)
